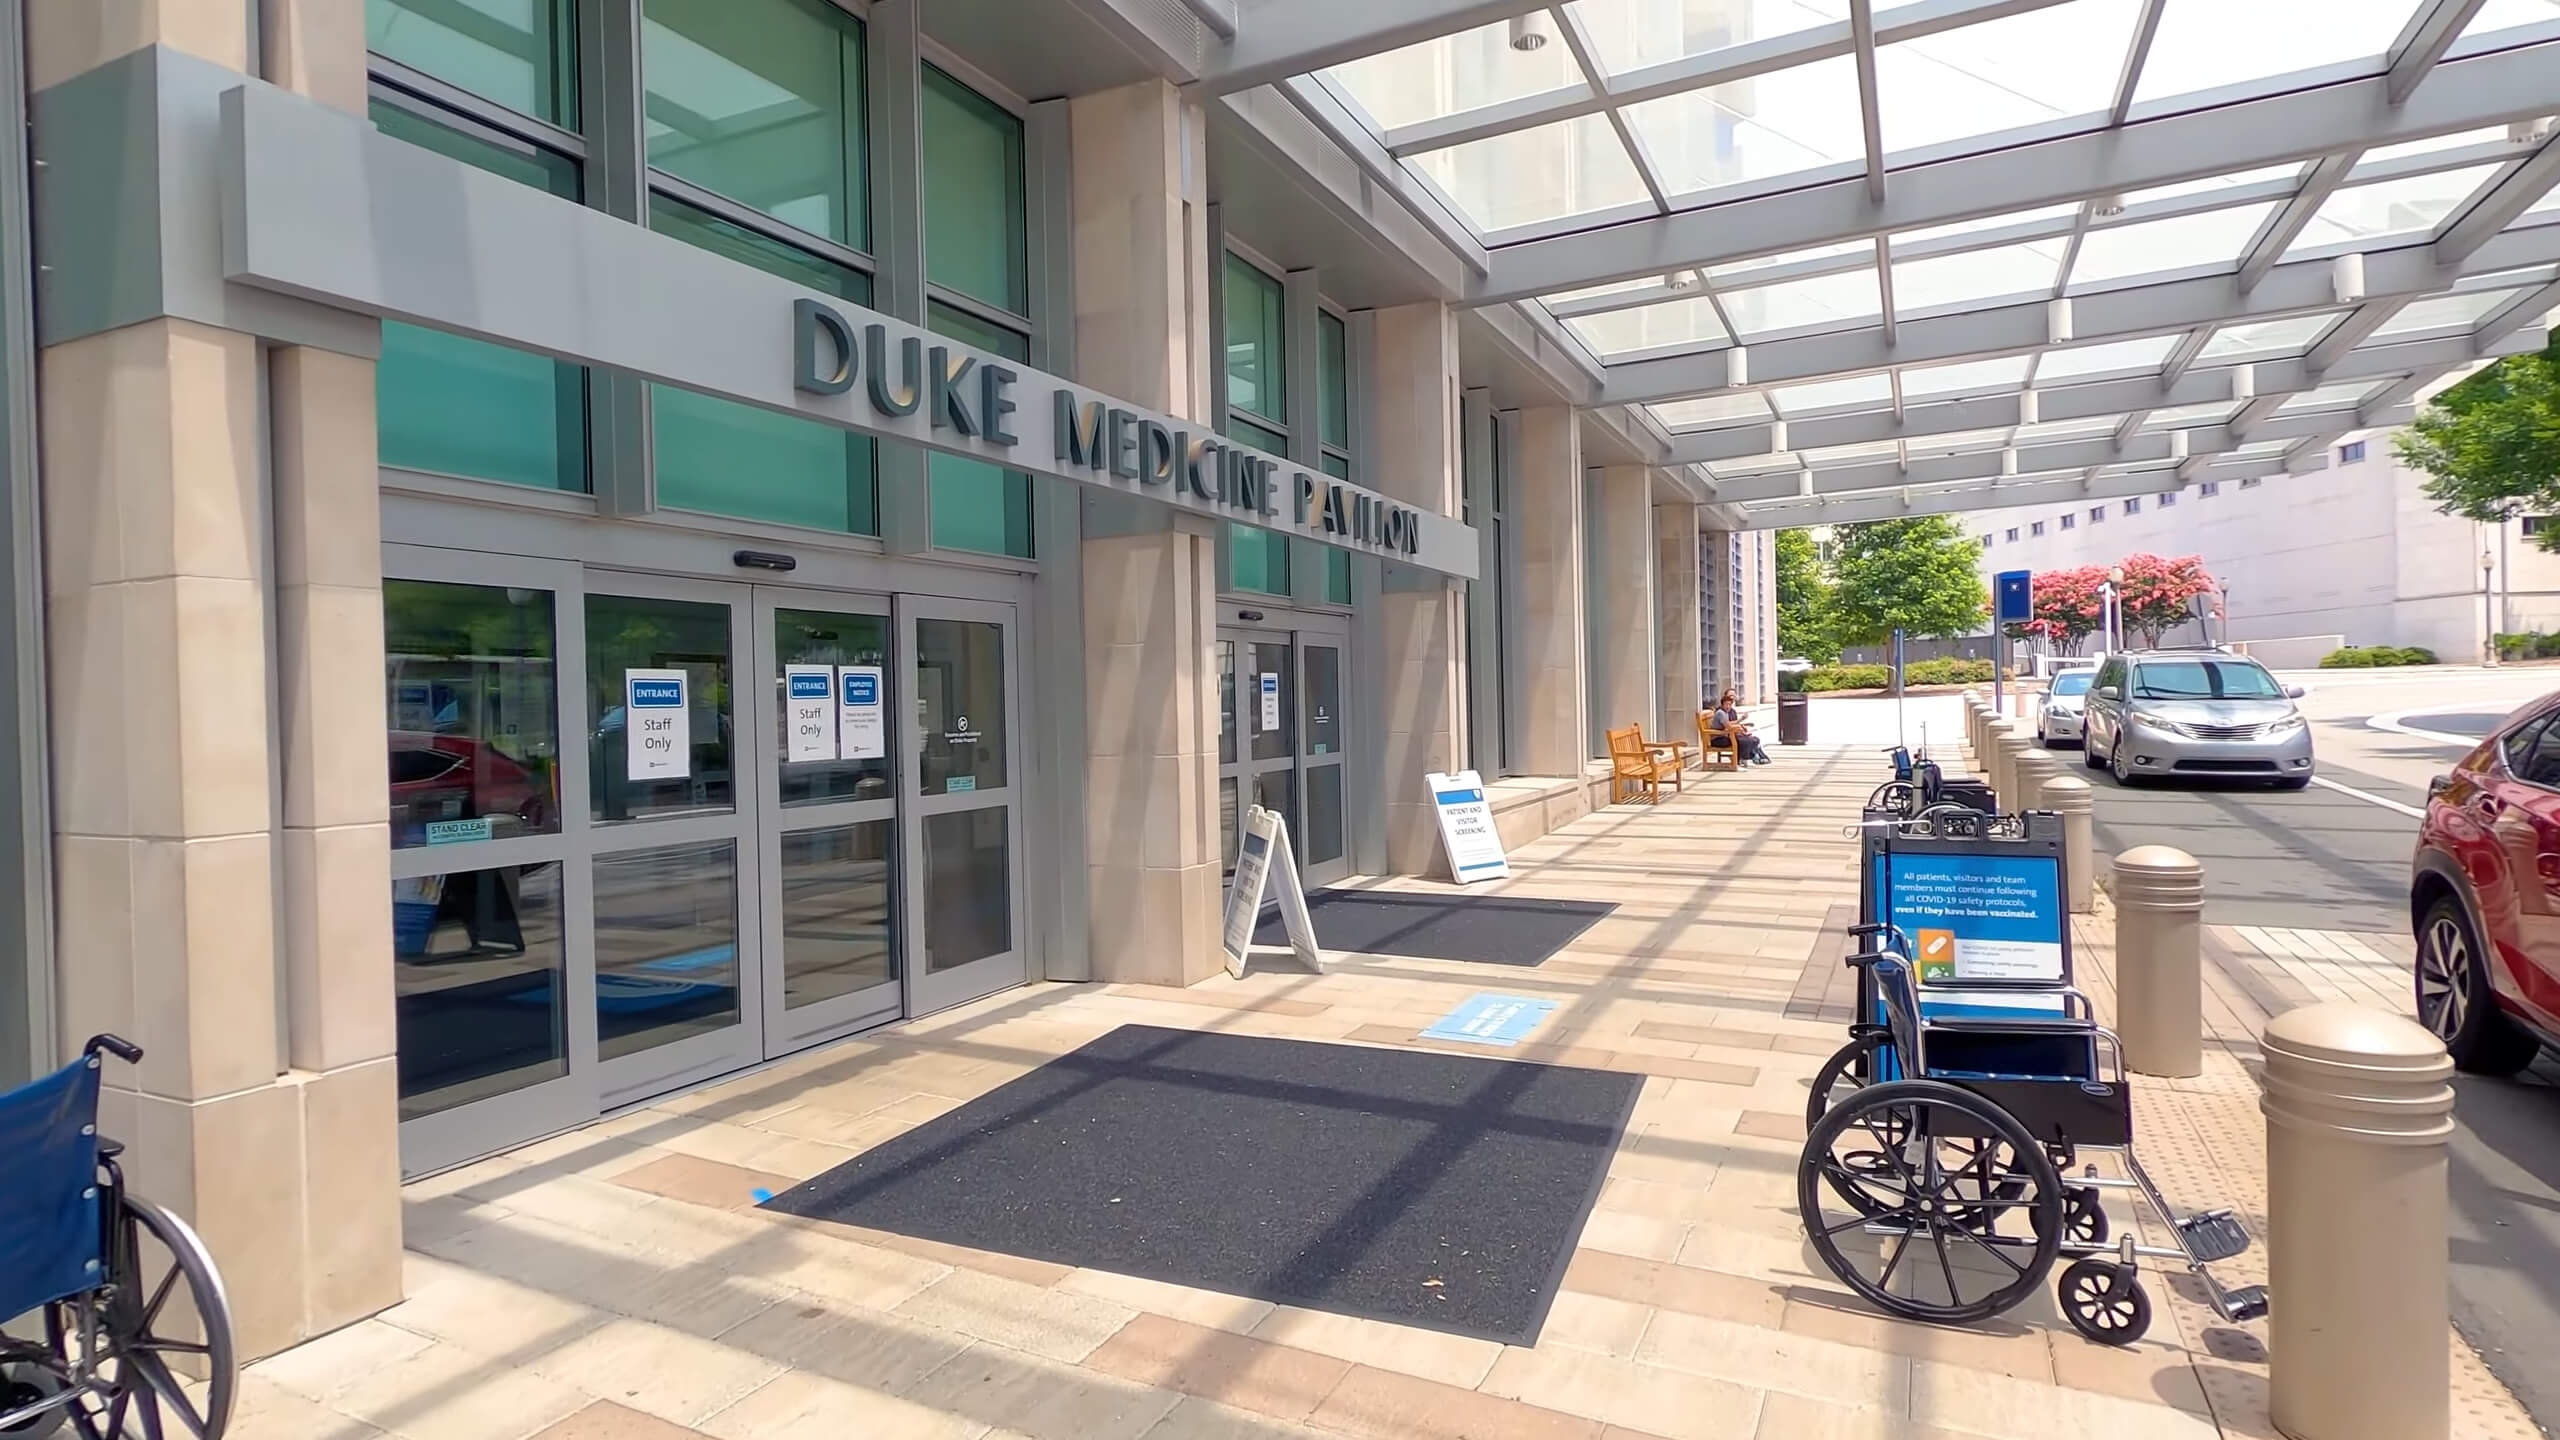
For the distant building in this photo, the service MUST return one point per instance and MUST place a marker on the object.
(2355, 550)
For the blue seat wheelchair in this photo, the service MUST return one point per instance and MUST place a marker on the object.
(1936, 1177)
(123, 1293)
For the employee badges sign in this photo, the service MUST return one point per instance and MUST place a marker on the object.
(859, 713)
(1978, 917)
(657, 725)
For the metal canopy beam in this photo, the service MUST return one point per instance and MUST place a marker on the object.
(2068, 489)
(2298, 288)
(2514, 193)
(2429, 34)
(2484, 90)
(1276, 39)
(2094, 398)
(1722, 66)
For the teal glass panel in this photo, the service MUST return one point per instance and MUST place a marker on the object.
(1260, 437)
(762, 101)
(977, 241)
(522, 54)
(1257, 560)
(976, 505)
(726, 458)
(1257, 343)
(1333, 380)
(455, 406)
(1337, 563)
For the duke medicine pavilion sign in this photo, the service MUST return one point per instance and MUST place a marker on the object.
(318, 206)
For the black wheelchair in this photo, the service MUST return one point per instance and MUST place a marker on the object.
(124, 1294)
(1937, 1177)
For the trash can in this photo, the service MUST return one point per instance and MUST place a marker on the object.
(1791, 717)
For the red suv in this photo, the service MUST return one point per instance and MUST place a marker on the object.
(2484, 896)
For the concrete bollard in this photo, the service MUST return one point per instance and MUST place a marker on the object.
(2069, 796)
(2014, 741)
(2160, 960)
(1965, 708)
(1991, 726)
(2035, 765)
(2358, 1111)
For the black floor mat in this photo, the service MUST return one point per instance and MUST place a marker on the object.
(1443, 1191)
(1488, 929)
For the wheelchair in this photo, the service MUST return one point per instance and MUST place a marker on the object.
(1936, 1178)
(124, 1294)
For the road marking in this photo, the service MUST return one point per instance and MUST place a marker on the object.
(2391, 724)
(2412, 811)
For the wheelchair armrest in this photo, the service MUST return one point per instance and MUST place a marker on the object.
(1986, 1024)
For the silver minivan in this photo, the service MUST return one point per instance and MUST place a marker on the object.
(2195, 713)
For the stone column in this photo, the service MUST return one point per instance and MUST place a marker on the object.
(1425, 646)
(176, 544)
(1677, 627)
(1546, 508)
(1150, 573)
(1625, 586)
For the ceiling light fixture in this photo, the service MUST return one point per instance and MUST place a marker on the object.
(1528, 32)
(2106, 205)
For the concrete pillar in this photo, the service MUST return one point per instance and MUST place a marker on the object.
(1150, 574)
(2009, 740)
(2159, 895)
(1626, 655)
(2035, 766)
(1418, 463)
(2358, 1113)
(2070, 797)
(1546, 506)
(213, 619)
(1965, 710)
(1678, 631)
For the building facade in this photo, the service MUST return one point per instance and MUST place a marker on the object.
(573, 548)
(2355, 551)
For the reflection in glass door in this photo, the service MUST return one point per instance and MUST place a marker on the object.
(1322, 850)
(1257, 734)
(964, 794)
(828, 827)
(671, 999)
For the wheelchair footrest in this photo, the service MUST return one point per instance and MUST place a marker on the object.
(2212, 1236)
(2249, 1302)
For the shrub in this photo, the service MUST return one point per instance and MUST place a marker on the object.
(1950, 670)
(2360, 657)
(1847, 677)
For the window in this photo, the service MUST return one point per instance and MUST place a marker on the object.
(1333, 434)
(2069, 519)
(2035, 528)
(2535, 525)
(2133, 505)
(1257, 410)
(2351, 452)
(977, 248)
(762, 101)
(453, 406)
(2251, 483)
(2208, 489)
(522, 54)
(2097, 514)
(1986, 542)
(730, 459)
(2168, 498)
(2013, 535)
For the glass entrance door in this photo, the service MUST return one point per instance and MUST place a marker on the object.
(1257, 732)
(1323, 849)
(828, 827)
(663, 893)
(964, 791)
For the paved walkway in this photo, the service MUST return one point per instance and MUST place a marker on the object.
(617, 1281)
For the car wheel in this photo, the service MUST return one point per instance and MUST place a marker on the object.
(2089, 751)
(2454, 999)
(2041, 741)
(2117, 767)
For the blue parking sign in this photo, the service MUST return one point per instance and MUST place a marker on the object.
(2016, 603)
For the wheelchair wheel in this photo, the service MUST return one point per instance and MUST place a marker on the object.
(130, 1330)
(1958, 1215)
(2083, 1218)
(2104, 1301)
(1850, 1069)
(1897, 797)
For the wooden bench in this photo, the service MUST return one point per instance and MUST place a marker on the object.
(1713, 755)
(1633, 763)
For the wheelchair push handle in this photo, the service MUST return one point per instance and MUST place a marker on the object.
(116, 1045)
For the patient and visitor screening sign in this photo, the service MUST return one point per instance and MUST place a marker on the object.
(1978, 917)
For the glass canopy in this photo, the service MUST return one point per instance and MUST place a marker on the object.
(1991, 234)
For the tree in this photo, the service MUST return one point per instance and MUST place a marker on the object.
(2069, 606)
(2159, 595)
(1804, 601)
(2490, 446)
(1916, 575)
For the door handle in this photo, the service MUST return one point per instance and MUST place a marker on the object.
(2488, 805)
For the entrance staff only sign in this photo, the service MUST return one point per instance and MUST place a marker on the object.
(657, 725)
(809, 731)
(1466, 826)
(1977, 917)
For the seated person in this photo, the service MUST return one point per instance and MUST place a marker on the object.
(1729, 719)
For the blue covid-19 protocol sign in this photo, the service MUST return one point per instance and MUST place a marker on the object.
(1976, 917)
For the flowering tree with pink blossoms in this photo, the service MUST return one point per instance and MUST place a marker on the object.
(2159, 594)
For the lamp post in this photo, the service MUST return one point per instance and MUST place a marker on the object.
(2488, 620)
(2115, 608)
